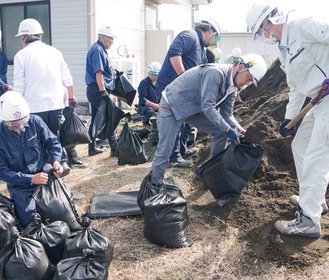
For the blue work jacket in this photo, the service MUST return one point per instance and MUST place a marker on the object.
(24, 154)
(146, 91)
(98, 60)
(189, 45)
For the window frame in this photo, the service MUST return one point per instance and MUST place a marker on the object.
(25, 6)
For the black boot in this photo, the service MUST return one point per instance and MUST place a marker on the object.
(93, 149)
(114, 146)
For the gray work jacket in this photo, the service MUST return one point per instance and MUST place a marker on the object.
(206, 89)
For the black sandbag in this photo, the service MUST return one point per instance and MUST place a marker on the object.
(7, 205)
(80, 268)
(130, 147)
(7, 222)
(92, 239)
(107, 119)
(228, 173)
(54, 202)
(25, 258)
(52, 236)
(116, 204)
(73, 131)
(148, 189)
(124, 89)
(166, 220)
(143, 133)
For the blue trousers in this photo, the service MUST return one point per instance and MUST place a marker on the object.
(24, 203)
(53, 121)
(147, 113)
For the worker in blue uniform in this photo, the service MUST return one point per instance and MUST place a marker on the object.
(28, 150)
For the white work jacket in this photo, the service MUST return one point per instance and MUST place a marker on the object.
(304, 56)
(39, 74)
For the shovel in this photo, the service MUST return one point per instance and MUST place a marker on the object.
(316, 100)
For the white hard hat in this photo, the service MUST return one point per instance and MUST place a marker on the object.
(107, 31)
(29, 26)
(209, 23)
(256, 16)
(154, 68)
(13, 106)
(256, 66)
(236, 53)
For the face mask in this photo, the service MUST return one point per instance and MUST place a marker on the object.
(271, 40)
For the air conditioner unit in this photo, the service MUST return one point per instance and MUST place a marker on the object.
(201, 2)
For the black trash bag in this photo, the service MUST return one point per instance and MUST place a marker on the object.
(143, 133)
(107, 119)
(228, 173)
(123, 88)
(73, 131)
(7, 222)
(89, 238)
(148, 189)
(166, 220)
(80, 268)
(25, 258)
(7, 205)
(54, 202)
(52, 236)
(130, 147)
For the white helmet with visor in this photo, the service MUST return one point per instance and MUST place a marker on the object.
(14, 108)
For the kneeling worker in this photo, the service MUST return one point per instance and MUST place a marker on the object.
(27, 149)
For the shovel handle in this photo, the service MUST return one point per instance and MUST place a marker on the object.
(299, 116)
(321, 94)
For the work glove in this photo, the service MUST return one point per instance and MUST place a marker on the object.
(283, 130)
(231, 135)
(104, 94)
(325, 85)
(73, 103)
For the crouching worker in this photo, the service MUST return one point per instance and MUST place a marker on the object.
(203, 97)
(148, 97)
(27, 148)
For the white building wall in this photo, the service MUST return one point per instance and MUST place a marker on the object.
(69, 34)
(245, 41)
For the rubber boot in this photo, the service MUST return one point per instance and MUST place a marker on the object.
(93, 149)
(114, 146)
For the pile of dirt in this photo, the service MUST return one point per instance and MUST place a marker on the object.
(265, 200)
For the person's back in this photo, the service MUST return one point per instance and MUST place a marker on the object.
(38, 74)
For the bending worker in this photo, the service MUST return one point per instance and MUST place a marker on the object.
(304, 53)
(203, 96)
(26, 145)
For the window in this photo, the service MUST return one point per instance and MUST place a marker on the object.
(151, 17)
(12, 14)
